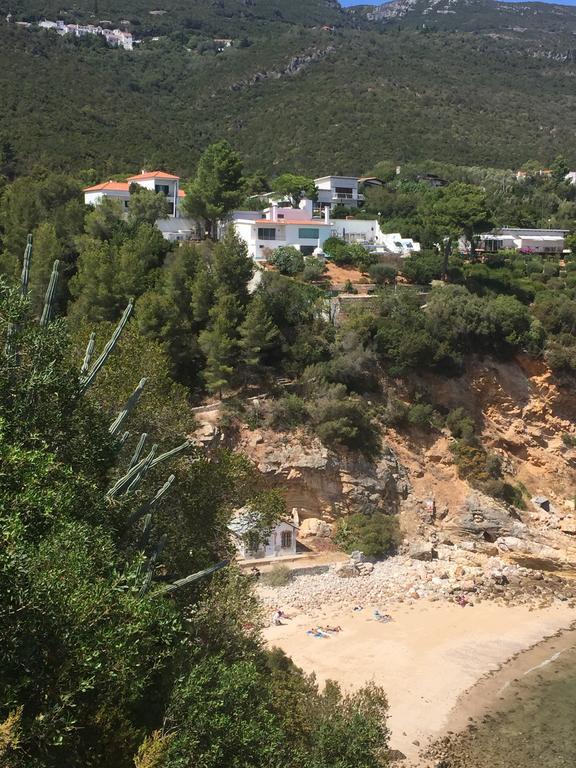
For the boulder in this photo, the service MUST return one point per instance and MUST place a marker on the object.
(568, 524)
(313, 526)
(346, 570)
(422, 551)
(485, 519)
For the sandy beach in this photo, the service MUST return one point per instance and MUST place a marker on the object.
(426, 659)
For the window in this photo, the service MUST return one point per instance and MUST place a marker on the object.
(308, 233)
(164, 189)
(286, 539)
(266, 233)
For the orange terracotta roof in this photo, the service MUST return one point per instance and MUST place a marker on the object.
(301, 222)
(153, 175)
(181, 193)
(113, 186)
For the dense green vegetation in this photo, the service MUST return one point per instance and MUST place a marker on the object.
(108, 656)
(332, 100)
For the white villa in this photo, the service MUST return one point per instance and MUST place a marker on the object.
(542, 241)
(175, 227)
(264, 231)
(281, 541)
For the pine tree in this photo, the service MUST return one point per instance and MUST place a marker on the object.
(219, 343)
(203, 290)
(95, 285)
(138, 257)
(258, 334)
(165, 313)
(217, 187)
(233, 267)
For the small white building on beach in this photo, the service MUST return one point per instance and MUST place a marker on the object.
(281, 541)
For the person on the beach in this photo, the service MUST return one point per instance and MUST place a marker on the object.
(276, 618)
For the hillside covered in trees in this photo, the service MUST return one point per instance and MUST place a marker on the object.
(305, 87)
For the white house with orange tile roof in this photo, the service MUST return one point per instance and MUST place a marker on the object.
(176, 226)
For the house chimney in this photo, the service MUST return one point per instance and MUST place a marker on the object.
(327, 215)
(274, 211)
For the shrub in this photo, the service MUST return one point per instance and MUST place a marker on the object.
(376, 534)
(395, 412)
(506, 492)
(421, 415)
(460, 424)
(287, 259)
(340, 420)
(313, 268)
(278, 576)
(288, 412)
(382, 274)
(349, 288)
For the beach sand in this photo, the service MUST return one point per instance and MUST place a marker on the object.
(426, 659)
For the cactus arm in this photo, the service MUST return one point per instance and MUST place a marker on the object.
(171, 588)
(170, 454)
(121, 485)
(50, 294)
(147, 507)
(88, 354)
(151, 564)
(145, 531)
(124, 437)
(25, 277)
(128, 408)
(87, 380)
(138, 451)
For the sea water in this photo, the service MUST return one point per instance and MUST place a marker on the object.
(533, 723)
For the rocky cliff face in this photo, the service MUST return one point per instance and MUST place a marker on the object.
(521, 415)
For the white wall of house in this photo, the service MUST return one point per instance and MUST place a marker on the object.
(281, 542)
(94, 198)
(338, 190)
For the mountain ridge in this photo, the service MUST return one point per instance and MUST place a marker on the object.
(465, 87)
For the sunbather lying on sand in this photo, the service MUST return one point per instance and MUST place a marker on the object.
(383, 617)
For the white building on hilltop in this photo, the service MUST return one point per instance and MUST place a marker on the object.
(175, 226)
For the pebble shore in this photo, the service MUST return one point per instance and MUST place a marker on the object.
(452, 574)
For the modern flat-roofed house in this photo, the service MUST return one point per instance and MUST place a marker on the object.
(176, 226)
(264, 231)
(368, 233)
(542, 241)
(337, 190)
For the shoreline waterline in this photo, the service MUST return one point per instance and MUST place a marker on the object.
(498, 695)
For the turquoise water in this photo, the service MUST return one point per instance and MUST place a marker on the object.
(533, 724)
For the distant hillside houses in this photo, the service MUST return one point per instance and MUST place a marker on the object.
(115, 37)
(306, 228)
(312, 223)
